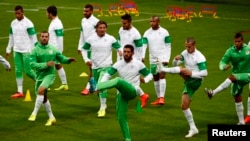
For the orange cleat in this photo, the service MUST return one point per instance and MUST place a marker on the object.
(144, 99)
(247, 119)
(17, 95)
(161, 101)
(85, 91)
(156, 102)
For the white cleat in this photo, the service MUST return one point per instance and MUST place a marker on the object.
(209, 92)
(192, 132)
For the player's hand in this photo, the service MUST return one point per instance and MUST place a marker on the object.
(72, 60)
(89, 63)
(50, 63)
(226, 67)
(186, 72)
(142, 80)
(79, 52)
(165, 63)
(178, 57)
(7, 55)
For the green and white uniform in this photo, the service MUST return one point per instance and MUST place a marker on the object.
(127, 85)
(101, 55)
(87, 29)
(56, 33)
(159, 44)
(132, 37)
(39, 57)
(22, 38)
(195, 62)
(241, 67)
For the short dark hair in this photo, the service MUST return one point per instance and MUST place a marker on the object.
(52, 9)
(190, 39)
(131, 47)
(89, 6)
(238, 35)
(18, 7)
(126, 17)
(101, 22)
(44, 31)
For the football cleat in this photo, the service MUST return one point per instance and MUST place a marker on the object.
(17, 95)
(50, 122)
(144, 99)
(156, 102)
(161, 101)
(209, 92)
(247, 119)
(62, 87)
(85, 91)
(192, 132)
(101, 113)
(32, 118)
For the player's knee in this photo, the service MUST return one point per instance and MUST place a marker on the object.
(232, 78)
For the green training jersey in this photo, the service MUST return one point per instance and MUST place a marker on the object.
(42, 54)
(240, 59)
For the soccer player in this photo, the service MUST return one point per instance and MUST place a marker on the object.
(43, 60)
(238, 55)
(5, 63)
(158, 40)
(87, 29)
(101, 45)
(193, 73)
(127, 84)
(128, 34)
(56, 39)
(22, 37)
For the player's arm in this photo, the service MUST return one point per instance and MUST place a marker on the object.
(32, 35)
(147, 76)
(10, 43)
(167, 41)
(224, 62)
(59, 38)
(177, 60)
(85, 55)
(33, 61)
(80, 42)
(144, 48)
(202, 70)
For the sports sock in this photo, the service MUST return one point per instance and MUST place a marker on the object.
(157, 88)
(239, 109)
(222, 86)
(189, 116)
(38, 103)
(171, 70)
(140, 91)
(19, 82)
(162, 83)
(87, 86)
(103, 103)
(62, 75)
(48, 109)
